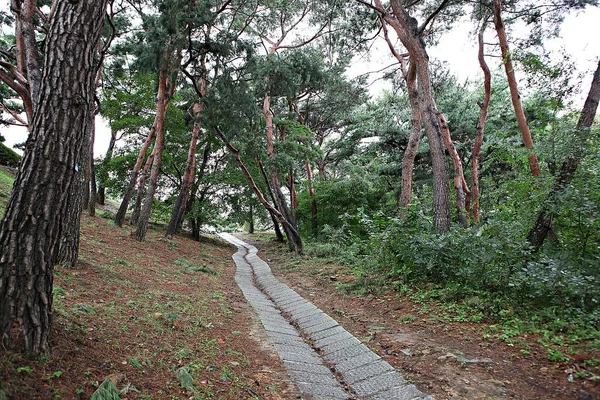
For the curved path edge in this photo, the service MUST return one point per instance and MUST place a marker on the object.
(323, 359)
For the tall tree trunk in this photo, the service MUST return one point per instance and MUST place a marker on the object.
(543, 225)
(276, 227)
(141, 191)
(93, 190)
(166, 87)
(294, 239)
(487, 91)
(534, 165)
(120, 216)
(408, 158)
(251, 217)
(411, 37)
(313, 199)
(188, 177)
(44, 190)
(104, 176)
(189, 205)
(460, 185)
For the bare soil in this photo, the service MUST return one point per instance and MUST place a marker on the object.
(448, 360)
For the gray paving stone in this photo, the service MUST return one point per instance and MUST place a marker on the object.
(323, 392)
(369, 376)
(381, 383)
(347, 353)
(302, 367)
(369, 370)
(407, 392)
(356, 362)
(326, 333)
(311, 377)
(343, 344)
(319, 327)
(306, 358)
(297, 348)
(333, 339)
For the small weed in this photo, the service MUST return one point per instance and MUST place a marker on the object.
(24, 370)
(55, 374)
(557, 356)
(407, 319)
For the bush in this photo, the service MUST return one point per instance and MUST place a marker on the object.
(8, 157)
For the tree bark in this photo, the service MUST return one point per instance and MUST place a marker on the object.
(460, 185)
(487, 91)
(313, 199)
(411, 37)
(44, 190)
(567, 170)
(236, 153)
(141, 191)
(104, 176)
(188, 177)
(166, 87)
(120, 216)
(534, 165)
(93, 190)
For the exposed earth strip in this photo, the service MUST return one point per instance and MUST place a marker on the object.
(323, 359)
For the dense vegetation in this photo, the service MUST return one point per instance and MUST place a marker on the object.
(243, 113)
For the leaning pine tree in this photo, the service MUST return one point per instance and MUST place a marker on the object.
(53, 163)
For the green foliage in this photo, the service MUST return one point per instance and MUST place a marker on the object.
(106, 391)
(8, 156)
(186, 381)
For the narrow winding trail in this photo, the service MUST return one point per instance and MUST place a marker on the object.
(322, 358)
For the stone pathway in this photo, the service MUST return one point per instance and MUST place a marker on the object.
(322, 358)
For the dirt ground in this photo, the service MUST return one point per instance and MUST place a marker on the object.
(448, 360)
(141, 314)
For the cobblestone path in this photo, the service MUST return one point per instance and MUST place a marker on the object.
(323, 359)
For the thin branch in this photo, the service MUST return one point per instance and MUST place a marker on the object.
(433, 15)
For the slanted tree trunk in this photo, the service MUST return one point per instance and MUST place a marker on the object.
(534, 165)
(166, 87)
(44, 192)
(460, 185)
(276, 227)
(120, 216)
(294, 239)
(543, 224)
(236, 153)
(141, 191)
(188, 177)
(487, 90)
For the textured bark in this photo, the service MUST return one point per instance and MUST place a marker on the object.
(251, 218)
(313, 201)
(411, 37)
(44, 190)
(294, 239)
(236, 153)
(166, 87)
(487, 91)
(141, 191)
(460, 186)
(534, 165)
(276, 227)
(543, 225)
(188, 177)
(120, 216)
(104, 176)
(93, 189)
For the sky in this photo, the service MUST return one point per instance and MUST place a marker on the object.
(579, 33)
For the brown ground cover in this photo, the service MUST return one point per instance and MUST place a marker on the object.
(139, 313)
(449, 360)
